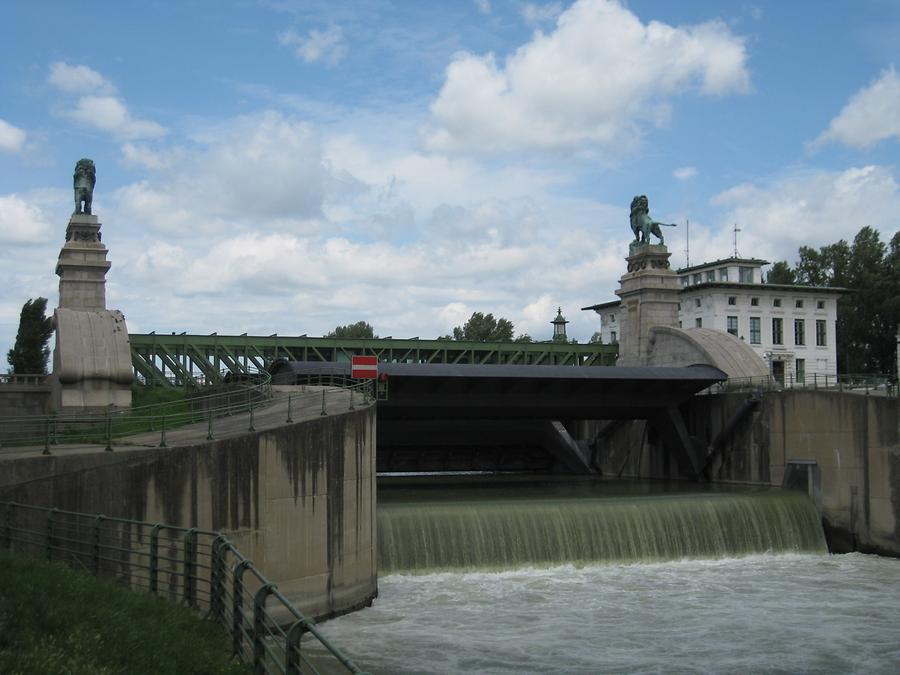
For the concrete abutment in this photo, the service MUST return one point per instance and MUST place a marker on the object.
(299, 500)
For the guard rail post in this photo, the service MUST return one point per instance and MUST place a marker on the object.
(50, 533)
(292, 648)
(250, 403)
(323, 413)
(259, 628)
(154, 559)
(289, 419)
(10, 512)
(190, 591)
(216, 580)
(95, 545)
(237, 611)
(46, 436)
(108, 447)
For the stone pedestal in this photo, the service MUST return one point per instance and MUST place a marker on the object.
(82, 265)
(650, 294)
(92, 358)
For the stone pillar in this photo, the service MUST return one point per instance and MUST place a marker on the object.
(650, 294)
(92, 358)
(82, 265)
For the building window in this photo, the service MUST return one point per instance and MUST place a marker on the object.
(697, 278)
(777, 332)
(612, 337)
(776, 302)
(799, 332)
(755, 330)
(710, 276)
(685, 281)
(698, 322)
(820, 304)
(732, 325)
(732, 300)
(821, 333)
(612, 318)
(754, 302)
(745, 275)
(800, 370)
(679, 306)
(696, 302)
(679, 324)
(723, 274)
(798, 304)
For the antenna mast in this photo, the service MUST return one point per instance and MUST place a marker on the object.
(687, 244)
(734, 238)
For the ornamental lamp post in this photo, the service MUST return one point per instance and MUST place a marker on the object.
(559, 327)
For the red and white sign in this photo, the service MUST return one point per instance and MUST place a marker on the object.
(364, 367)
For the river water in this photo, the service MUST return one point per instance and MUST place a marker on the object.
(757, 614)
(554, 577)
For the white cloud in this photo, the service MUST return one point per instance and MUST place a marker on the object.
(109, 114)
(811, 209)
(872, 115)
(249, 171)
(141, 156)
(484, 6)
(11, 138)
(78, 79)
(597, 78)
(685, 172)
(23, 219)
(535, 14)
(326, 45)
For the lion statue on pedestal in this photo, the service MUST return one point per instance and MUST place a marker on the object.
(642, 224)
(84, 180)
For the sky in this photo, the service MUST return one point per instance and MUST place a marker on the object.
(287, 166)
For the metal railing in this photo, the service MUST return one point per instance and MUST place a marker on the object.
(250, 394)
(882, 385)
(16, 379)
(199, 568)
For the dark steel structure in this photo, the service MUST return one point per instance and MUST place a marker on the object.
(434, 414)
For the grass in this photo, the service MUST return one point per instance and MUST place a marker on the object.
(54, 619)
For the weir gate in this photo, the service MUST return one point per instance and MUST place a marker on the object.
(445, 417)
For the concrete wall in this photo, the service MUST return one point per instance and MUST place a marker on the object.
(23, 400)
(298, 500)
(854, 440)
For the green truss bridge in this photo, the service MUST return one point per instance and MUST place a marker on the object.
(197, 360)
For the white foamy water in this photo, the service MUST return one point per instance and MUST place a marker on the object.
(759, 614)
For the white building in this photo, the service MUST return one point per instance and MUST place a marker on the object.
(791, 327)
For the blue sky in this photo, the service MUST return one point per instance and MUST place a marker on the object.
(288, 166)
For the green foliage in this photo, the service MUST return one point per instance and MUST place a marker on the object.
(484, 328)
(595, 338)
(142, 396)
(867, 318)
(30, 353)
(781, 273)
(54, 619)
(524, 337)
(360, 329)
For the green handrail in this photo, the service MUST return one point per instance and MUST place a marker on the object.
(199, 568)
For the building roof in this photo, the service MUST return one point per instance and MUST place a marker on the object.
(731, 261)
(602, 305)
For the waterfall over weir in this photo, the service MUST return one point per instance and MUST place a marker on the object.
(507, 527)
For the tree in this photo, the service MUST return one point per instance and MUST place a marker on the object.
(360, 329)
(30, 353)
(484, 328)
(868, 317)
(596, 337)
(781, 273)
(524, 337)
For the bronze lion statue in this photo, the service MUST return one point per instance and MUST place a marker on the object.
(84, 180)
(642, 224)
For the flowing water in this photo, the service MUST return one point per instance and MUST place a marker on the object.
(588, 578)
